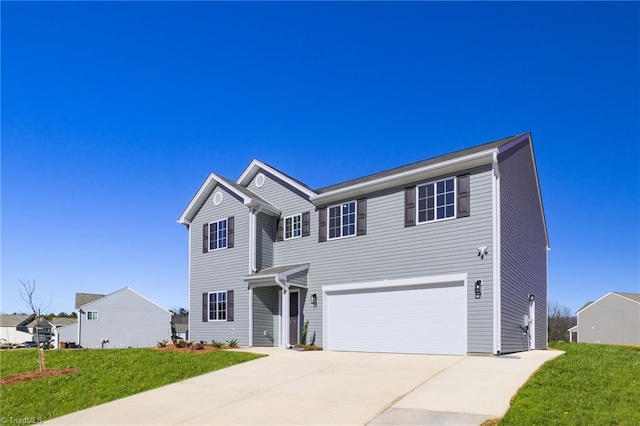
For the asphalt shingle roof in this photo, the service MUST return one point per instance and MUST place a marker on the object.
(84, 298)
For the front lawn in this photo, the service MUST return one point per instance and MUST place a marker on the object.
(588, 385)
(104, 375)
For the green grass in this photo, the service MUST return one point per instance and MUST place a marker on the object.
(588, 385)
(105, 375)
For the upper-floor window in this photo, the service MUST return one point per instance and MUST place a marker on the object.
(437, 200)
(293, 226)
(218, 306)
(342, 220)
(92, 315)
(218, 235)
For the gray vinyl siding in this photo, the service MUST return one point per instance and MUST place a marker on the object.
(391, 251)
(126, 319)
(220, 270)
(523, 250)
(265, 309)
(613, 320)
(266, 236)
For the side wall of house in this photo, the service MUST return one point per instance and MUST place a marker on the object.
(523, 250)
(265, 238)
(613, 320)
(127, 320)
(220, 270)
(389, 250)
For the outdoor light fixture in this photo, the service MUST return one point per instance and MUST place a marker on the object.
(314, 300)
(531, 298)
(478, 289)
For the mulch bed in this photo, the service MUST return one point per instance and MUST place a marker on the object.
(33, 375)
(191, 350)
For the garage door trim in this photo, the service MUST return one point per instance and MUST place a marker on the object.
(386, 284)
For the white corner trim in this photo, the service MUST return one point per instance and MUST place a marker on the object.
(402, 282)
(495, 217)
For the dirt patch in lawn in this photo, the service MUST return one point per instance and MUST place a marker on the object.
(33, 375)
(192, 349)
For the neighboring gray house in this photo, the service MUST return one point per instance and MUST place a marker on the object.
(121, 319)
(443, 256)
(612, 319)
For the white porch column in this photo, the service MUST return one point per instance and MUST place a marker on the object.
(284, 331)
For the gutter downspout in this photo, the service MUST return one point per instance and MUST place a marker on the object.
(284, 323)
(79, 313)
(253, 226)
(497, 307)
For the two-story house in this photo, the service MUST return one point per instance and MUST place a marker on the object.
(443, 256)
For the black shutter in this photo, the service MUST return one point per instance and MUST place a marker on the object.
(306, 224)
(410, 206)
(205, 238)
(280, 231)
(322, 225)
(230, 232)
(205, 307)
(361, 223)
(229, 305)
(464, 196)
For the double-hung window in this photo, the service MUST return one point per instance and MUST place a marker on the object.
(218, 235)
(218, 306)
(342, 220)
(293, 226)
(92, 315)
(437, 200)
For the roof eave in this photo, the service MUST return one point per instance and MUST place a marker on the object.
(422, 173)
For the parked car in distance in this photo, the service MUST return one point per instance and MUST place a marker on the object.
(4, 344)
(28, 344)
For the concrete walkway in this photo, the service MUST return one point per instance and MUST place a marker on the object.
(336, 388)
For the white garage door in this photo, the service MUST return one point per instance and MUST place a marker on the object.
(421, 318)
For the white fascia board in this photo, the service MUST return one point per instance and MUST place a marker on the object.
(402, 282)
(209, 184)
(256, 165)
(449, 166)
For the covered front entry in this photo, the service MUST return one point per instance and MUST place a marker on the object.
(275, 310)
(419, 315)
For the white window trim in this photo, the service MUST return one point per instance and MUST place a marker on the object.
(435, 195)
(97, 316)
(355, 223)
(217, 222)
(226, 306)
(284, 230)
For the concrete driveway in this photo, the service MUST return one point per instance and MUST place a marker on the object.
(333, 388)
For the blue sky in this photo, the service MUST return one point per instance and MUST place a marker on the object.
(114, 113)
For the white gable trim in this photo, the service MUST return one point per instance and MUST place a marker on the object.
(606, 295)
(256, 165)
(207, 187)
(118, 291)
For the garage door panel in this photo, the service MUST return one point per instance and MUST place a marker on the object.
(428, 319)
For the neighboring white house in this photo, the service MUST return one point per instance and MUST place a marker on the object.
(612, 319)
(122, 319)
(16, 328)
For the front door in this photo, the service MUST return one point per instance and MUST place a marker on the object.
(294, 323)
(532, 325)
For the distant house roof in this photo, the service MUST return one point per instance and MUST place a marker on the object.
(62, 321)
(15, 320)
(84, 298)
(182, 328)
(633, 296)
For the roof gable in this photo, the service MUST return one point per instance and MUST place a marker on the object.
(15, 320)
(255, 166)
(247, 197)
(125, 289)
(633, 297)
